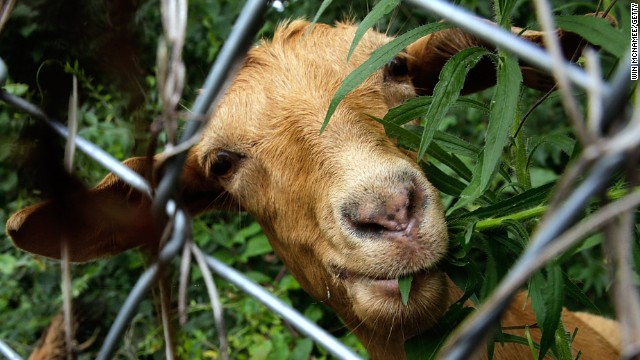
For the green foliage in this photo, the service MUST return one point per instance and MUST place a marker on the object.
(383, 8)
(498, 179)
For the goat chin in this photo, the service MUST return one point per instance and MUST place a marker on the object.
(378, 304)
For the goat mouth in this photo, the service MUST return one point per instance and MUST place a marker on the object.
(382, 285)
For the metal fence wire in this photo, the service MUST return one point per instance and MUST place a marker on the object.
(554, 234)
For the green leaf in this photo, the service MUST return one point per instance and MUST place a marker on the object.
(443, 182)
(381, 9)
(256, 246)
(547, 298)
(404, 283)
(456, 145)
(17, 89)
(325, 4)
(447, 90)
(526, 200)
(595, 30)
(578, 295)
(451, 160)
(559, 140)
(408, 139)
(260, 351)
(377, 60)
(417, 107)
(241, 236)
(7, 264)
(503, 111)
(302, 349)
(503, 11)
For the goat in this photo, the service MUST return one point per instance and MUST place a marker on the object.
(347, 211)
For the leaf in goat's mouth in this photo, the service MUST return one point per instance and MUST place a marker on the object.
(404, 284)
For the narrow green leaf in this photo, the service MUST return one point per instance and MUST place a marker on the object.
(491, 276)
(554, 301)
(547, 299)
(595, 30)
(526, 200)
(575, 293)
(503, 110)
(404, 283)
(408, 138)
(325, 4)
(447, 90)
(381, 9)
(451, 160)
(412, 109)
(443, 182)
(456, 145)
(503, 11)
(559, 140)
(377, 60)
(417, 107)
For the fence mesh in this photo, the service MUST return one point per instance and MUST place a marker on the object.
(556, 233)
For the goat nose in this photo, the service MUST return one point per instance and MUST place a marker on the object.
(389, 212)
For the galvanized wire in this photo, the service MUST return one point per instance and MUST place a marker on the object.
(473, 333)
(8, 352)
(219, 78)
(321, 337)
(93, 151)
(3, 72)
(142, 286)
(502, 38)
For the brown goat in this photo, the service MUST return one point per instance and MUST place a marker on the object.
(347, 211)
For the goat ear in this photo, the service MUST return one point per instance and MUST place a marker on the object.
(426, 57)
(103, 221)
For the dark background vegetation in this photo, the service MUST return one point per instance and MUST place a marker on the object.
(110, 46)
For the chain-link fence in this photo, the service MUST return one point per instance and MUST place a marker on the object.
(601, 156)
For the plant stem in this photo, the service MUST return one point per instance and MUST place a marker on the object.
(520, 158)
(537, 211)
(521, 215)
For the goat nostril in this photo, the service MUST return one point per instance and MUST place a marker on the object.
(390, 212)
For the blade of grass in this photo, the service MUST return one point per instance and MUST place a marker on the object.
(381, 9)
(325, 4)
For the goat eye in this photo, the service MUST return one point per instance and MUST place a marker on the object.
(397, 67)
(225, 163)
